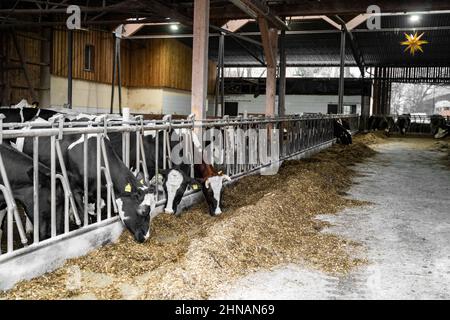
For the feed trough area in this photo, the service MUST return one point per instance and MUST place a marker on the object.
(220, 150)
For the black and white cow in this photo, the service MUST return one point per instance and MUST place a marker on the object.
(19, 168)
(385, 123)
(403, 123)
(205, 175)
(178, 179)
(342, 132)
(20, 115)
(134, 200)
(439, 127)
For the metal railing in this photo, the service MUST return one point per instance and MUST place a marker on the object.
(295, 134)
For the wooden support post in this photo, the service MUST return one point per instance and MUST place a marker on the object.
(200, 59)
(270, 44)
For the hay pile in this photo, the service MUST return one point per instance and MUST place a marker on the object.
(444, 147)
(267, 220)
(370, 138)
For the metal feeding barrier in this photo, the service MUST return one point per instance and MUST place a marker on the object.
(293, 135)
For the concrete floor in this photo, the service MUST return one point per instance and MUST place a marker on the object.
(405, 233)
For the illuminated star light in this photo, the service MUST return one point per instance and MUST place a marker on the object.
(413, 43)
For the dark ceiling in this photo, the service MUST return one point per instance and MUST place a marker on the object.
(310, 42)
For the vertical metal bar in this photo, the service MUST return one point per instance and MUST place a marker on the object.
(156, 163)
(66, 179)
(118, 73)
(138, 152)
(164, 149)
(36, 190)
(127, 149)
(69, 67)
(108, 200)
(222, 76)
(113, 81)
(10, 233)
(99, 178)
(85, 179)
(144, 160)
(108, 174)
(66, 212)
(53, 185)
(123, 147)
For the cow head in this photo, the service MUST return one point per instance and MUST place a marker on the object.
(213, 190)
(175, 183)
(135, 205)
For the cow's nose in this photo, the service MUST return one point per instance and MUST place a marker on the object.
(218, 211)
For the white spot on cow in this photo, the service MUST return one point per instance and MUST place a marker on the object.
(149, 200)
(39, 119)
(119, 203)
(91, 209)
(404, 130)
(28, 226)
(81, 140)
(173, 183)
(150, 133)
(147, 235)
(215, 183)
(85, 116)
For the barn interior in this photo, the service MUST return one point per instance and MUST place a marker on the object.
(42, 60)
(295, 65)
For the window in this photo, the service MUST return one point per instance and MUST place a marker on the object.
(89, 57)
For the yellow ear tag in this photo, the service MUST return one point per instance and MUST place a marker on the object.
(142, 181)
(194, 186)
(128, 188)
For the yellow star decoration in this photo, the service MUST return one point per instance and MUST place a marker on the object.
(413, 43)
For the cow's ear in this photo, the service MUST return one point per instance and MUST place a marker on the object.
(140, 177)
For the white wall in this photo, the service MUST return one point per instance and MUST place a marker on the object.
(145, 100)
(294, 103)
(87, 96)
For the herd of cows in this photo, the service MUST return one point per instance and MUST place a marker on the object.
(134, 197)
(436, 125)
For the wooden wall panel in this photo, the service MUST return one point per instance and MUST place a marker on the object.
(103, 43)
(12, 73)
(145, 63)
(164, 63)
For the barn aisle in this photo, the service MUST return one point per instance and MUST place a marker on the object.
(405, 233)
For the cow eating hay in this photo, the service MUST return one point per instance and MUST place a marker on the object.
(270, 220)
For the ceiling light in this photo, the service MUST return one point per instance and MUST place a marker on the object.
(414, 18)
(174, 27)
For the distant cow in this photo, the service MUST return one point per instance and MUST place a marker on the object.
(385, 123)
(403, 123)
(342, 132)
(439, 126)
